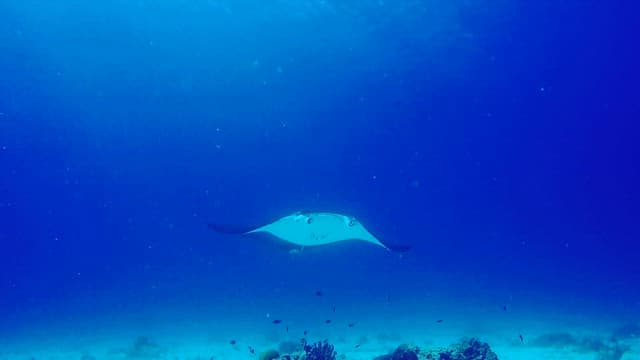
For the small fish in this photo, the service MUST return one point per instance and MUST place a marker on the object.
(305, 333)
(504, 308)
(439, 321)
(287, 329)
(357, 346)
(351, 325)
(521, 338)
(277, 321)
(232, 342)
(327, 321)
(319, 293)
(389, 299)
(252, 350)
(334, 309)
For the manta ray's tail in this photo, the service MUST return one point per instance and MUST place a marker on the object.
(230, 229)
(398, 248)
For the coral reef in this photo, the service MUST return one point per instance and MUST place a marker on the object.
(319, 351)
(468, 349)
(270, 355)
(402, 352)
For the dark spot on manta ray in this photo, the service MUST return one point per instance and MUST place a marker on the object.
(277, 321)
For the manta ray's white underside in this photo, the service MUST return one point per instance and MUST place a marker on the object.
(313, 229)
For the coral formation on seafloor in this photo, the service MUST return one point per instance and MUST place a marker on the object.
(269, 355)
(467, 349)
(321, 350)
(402, 352)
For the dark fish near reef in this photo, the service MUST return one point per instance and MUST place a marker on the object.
(305, 333)
(319, 293)
(277, 322)
(232, 342)
(521, 338)
(439, 321)
(327, 321)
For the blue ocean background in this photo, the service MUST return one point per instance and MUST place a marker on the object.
(499, 139)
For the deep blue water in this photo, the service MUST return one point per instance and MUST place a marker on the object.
(498, 138)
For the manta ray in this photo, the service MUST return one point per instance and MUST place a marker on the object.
(313, 229)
